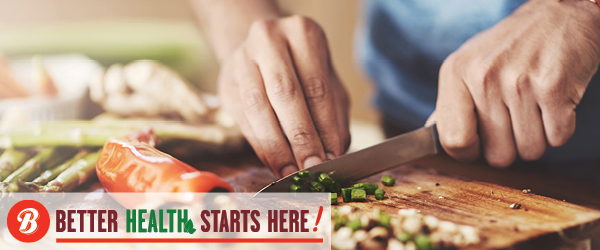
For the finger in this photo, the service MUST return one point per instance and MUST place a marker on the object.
(229, 96)
(287, 99)
(274, 147)
(455, 117)
(526, 123)
(495, 131)
(310, 57)
(559, 122)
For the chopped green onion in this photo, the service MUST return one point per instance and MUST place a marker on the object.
(304, 174)
(316, 187)
(360, 185)
(325, 180)
(385, 219)
(295, 188)
(405, 237)
(347, 194)
(335, 187)
(358, 195)
(340, 221)
(388, 180)
(299, 180)
(334, 199)
(354, 225)
(370, 188)
(423, 242)
(379, 194)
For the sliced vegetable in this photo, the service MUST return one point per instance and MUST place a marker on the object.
(295, 188)
(358, 195)
(379, 194)
(334, 199)
(325, 180)
(385, 220)
(388, 180)
(335, 187)
(423, 242)
(370, 188)
(340, 221)
(299, 180)
(347, 194)
(354, 224)
(360, 185)
(132, 164)
(304, 174)
(316, 187)
(405, 237)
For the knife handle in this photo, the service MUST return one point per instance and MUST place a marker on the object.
(436, 138)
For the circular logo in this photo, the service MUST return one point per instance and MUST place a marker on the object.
(28, 221)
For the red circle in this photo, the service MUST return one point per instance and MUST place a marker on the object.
(22, 223)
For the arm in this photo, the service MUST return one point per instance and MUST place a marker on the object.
(226, 22)
(512, 89)
(278, 81)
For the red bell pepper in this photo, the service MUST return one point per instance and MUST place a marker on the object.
(132, 164)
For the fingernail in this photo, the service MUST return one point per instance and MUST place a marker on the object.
(330, 156)
(287, 170)
(311, 161)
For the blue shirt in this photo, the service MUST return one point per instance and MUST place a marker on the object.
(405, 42)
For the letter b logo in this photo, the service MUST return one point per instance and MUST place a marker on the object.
(28, 221)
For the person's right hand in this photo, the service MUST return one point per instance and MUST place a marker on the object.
(287, 99)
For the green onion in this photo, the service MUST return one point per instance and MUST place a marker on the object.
(405, 237)
(370, 188)
(335, 187)
(295, 188)
(340, 221)
(325, 180)
(299, 180)
(385, 219)
(347, 194)
(304, 174)
(316, 187)
(360, 185)
(388, 180)
(334, 199)
(354, 225)
(379, 194)
(423, 242)
(358, 195)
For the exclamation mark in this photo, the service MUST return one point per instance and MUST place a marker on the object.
(318, 218)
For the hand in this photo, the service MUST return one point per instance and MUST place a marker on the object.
(514, 87)
(287, 98)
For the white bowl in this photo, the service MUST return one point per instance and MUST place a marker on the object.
(71, 75)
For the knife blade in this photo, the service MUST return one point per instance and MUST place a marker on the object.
(366, 162)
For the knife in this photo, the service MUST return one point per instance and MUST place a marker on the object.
(366, 162)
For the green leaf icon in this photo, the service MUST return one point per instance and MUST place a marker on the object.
(189, 227)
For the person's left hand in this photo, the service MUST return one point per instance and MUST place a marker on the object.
(513, 88)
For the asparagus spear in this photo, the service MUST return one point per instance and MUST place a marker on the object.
(50, 174)
(10, 160)
(74, 176)
(95, 133)
(19, 186)
(45, 159)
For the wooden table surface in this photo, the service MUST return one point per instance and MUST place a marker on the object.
(471, 194)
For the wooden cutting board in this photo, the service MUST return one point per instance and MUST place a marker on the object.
(469, 194)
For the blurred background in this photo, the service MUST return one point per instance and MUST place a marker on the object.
(120, 31)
